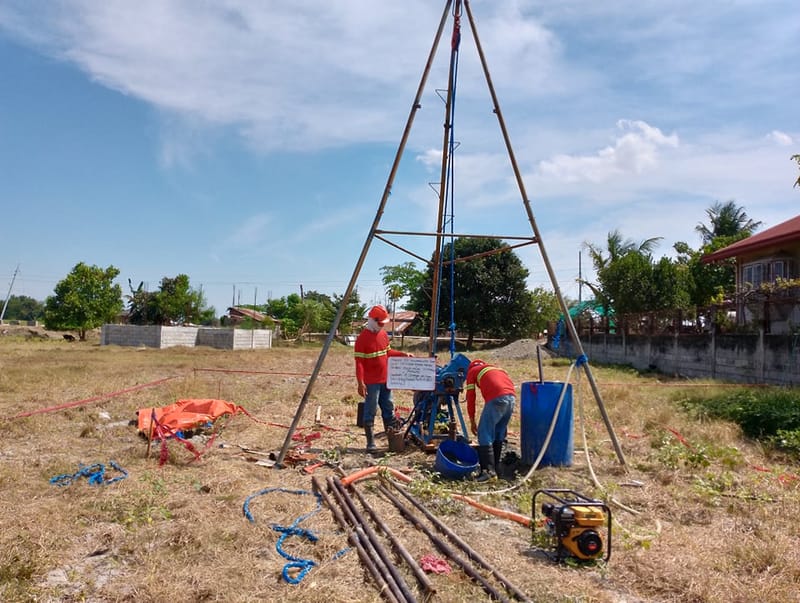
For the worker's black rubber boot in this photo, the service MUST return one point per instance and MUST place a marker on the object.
(368, 431)
(486, 459)
(497, 449)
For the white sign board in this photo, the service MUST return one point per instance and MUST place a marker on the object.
(412, 373)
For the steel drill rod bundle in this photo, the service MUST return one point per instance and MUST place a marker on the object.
(422, 578)
(455, 538)
(356, 540)
(445, 549)
(384, 562)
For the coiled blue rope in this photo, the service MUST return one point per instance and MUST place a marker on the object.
(95, 474)
(304, 565)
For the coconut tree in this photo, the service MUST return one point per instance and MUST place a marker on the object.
(616, 247)
(726, 220)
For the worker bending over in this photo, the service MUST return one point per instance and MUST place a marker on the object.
(498, 393)
(372, 351)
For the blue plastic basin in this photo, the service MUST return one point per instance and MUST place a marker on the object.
(455, 460)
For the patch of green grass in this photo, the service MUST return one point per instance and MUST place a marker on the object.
(676, 455)
(760, 412)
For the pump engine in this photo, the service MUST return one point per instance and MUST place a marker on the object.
(572, 525)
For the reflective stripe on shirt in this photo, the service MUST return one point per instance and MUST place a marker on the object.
(485, 370)
(377, 354)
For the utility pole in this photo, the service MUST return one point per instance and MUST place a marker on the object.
(8, 295)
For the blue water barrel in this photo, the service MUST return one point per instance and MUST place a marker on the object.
(538, 404)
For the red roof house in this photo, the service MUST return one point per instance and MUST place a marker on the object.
(763, 259)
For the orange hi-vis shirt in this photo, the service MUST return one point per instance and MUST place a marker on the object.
(491, 380)
(372, 351)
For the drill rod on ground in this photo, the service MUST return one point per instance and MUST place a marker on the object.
(455, 538)
(422, 578)
(356, 540)
(440, 544)
(385, 562)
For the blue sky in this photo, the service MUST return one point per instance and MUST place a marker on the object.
(247, 144)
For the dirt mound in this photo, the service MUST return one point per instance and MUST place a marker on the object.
(518, 350)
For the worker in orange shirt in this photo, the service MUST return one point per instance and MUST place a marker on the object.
(499, 395)
(372, 352)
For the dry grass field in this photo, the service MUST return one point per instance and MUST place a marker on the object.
(701, 515)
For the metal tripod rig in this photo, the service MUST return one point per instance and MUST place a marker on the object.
(454, 8)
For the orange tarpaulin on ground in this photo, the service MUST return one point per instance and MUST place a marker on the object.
(184, 415)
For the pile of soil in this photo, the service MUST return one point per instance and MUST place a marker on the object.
(519, 350)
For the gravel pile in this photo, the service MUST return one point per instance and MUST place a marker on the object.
(516, 350)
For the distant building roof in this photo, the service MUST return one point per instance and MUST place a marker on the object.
(240, 313)
(400, 321)
(398, 324)
(785, 232)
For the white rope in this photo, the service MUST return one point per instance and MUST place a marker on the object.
(545, 444)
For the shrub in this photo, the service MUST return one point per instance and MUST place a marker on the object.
(770, 415)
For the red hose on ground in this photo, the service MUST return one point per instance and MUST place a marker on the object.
(503, 514)
(366, 472)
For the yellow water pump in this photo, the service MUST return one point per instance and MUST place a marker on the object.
(574, 526)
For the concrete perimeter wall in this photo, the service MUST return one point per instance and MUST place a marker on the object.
(756, 358)
(154, 336)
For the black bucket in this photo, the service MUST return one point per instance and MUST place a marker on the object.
(360, 415)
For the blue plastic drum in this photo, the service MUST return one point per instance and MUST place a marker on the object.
(538, 404)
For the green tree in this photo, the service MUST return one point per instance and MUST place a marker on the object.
(672, 285)
(22, 307)
(710, 283)
(544, 309)
(627, 283)
(706, 283)
(488, 291)
(401, 280)
(353, 313)
(616, 248)
(726, 220)
(176, 302)
(313, 313)
(85, 299)
(142, 306)
(179, 303)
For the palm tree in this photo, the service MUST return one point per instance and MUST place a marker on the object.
(394, 292)
(617, 246)
(726, 220)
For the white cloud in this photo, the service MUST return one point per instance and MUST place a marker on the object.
(251, 231)
(633, 152)
(780, 138)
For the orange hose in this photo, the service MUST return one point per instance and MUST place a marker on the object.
(367, 471)
(519, 518)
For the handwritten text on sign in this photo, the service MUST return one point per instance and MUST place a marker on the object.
(412, 373)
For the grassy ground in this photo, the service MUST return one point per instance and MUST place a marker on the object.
(700, 513)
